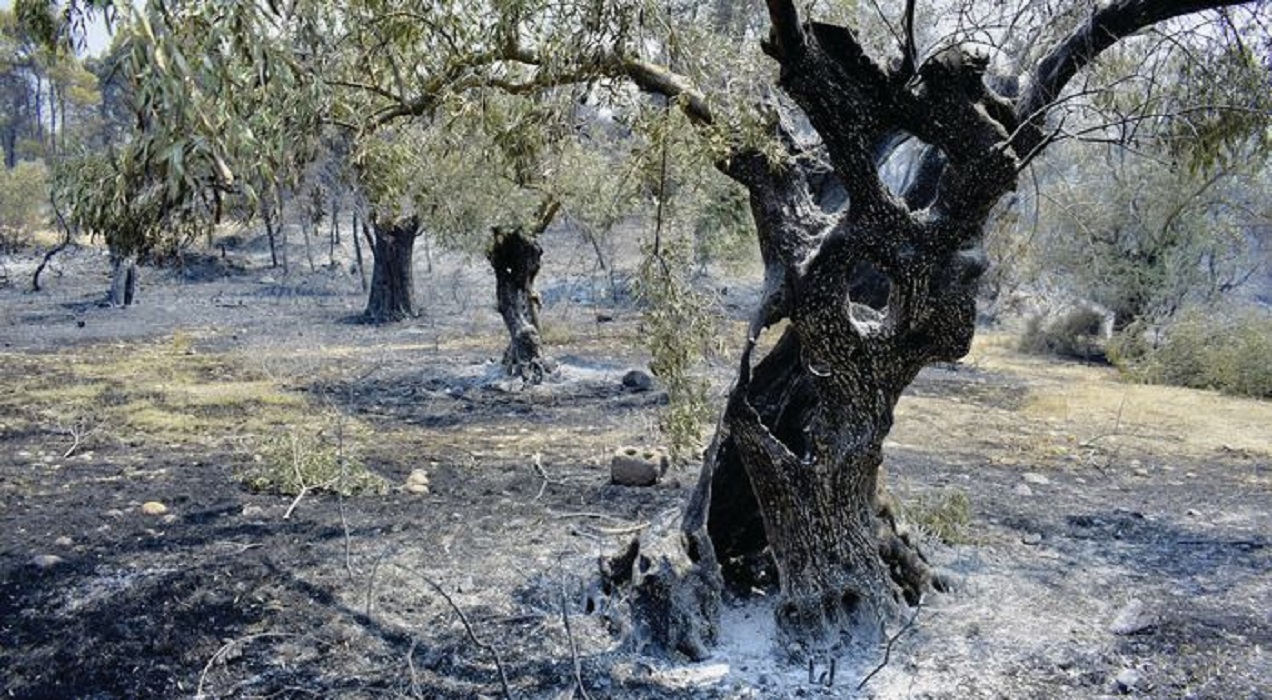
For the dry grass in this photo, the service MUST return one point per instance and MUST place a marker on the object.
(1071, 411)
(161, 391)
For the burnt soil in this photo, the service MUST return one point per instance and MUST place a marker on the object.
(401, 594)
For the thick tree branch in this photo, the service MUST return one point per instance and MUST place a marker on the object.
(909, 52)
(653, 78)
(787, 37)
(1104, 28)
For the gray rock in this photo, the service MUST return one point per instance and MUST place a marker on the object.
(633, 466)
(46, 561)
(1032, 478)
(1022, 490)
(1132, 618)
(1031, 538)
(638, 380)
(1126, 680)
(417, 482)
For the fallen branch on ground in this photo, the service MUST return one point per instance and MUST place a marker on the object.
(887, 651)
(468, 628)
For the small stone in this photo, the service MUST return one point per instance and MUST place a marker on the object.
(1192, 513)
(632, 466)
(1127, 679)
(1023, 490)
(47, 561)
(638, 381)
(417, 482)
(1031, 538)
(253, 511)
(114, 513)
(154, 508)
(64, 541)
(1141, 471)
(1032, 478)
(1132, 618)
(508, 386)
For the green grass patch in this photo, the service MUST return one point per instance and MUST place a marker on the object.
(294, 461)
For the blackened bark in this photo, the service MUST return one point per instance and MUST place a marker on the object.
(515, 257)
(270, 234)
(357, 251)
(392, 295)
(790, 488)
(123, 280)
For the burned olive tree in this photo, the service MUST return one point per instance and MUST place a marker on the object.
(792, 479)
(514, 255)
(392, 294)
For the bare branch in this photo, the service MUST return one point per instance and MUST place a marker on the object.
(1104, 28)
(910, 52)
(654, 78)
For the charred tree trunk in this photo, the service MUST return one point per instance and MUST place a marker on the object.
(392, 295)
(271, 235)
(790, 488)
(123, 280)
(515, 256)
(357, 251)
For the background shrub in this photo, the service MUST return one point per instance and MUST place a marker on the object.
(1231, 353)
(24, 190)
(1077, 334)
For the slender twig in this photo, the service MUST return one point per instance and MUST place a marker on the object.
(375, 568)
(622, 530)
(410, 665)
(574, 648)
(79, 431)
(66, 240)
(537, 460)
(300, 479)
(1117, 426)
(887, 651)
(468, 628)
(585, 514)
(225, 650)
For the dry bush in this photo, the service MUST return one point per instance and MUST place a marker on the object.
(1225, 352)
(24, 190)
(1077, 334)
(944, 516)
(295, 461)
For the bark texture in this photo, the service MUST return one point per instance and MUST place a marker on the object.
(392, 296)
(871, 292)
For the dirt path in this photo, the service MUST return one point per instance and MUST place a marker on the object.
(1116, 537)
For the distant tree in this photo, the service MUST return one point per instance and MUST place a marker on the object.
(1143, 237)
(23, 202)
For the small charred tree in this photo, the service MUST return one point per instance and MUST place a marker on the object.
(791, 482)
(392, 296)
(515, 255)
(123, 280)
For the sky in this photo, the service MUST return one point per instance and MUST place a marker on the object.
(98, 39)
